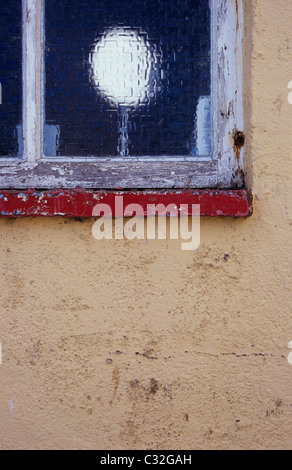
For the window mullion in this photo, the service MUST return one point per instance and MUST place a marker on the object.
(31, 86)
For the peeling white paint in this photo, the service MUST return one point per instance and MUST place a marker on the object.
(29, 80)
(229, 81)
(22, 196)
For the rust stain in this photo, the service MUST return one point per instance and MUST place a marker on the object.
(238, 143)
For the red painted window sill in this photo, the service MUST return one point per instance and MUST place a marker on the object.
(80, 202)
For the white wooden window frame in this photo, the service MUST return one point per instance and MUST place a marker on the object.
(222, 169)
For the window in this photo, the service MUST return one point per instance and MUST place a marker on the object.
(11, 79)
(121, 94)
(127, 78)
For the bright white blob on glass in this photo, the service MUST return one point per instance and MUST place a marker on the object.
(121, 63)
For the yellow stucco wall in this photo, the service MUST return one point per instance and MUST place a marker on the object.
(139, 345)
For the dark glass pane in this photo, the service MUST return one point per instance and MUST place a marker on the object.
(11, 78)
(127, 77)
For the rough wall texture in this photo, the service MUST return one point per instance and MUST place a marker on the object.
(140, 345)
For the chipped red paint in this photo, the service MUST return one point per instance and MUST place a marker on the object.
(80, 202)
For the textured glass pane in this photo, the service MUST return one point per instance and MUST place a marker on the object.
(127, 77)
(10, 78)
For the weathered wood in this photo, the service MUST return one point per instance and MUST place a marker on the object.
(80, 203)
(107, 173)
